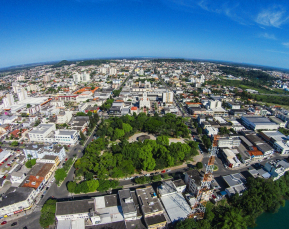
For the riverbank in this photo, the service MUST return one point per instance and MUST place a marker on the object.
(277, 220)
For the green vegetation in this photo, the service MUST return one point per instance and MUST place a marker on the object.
(28, 105)
(199, 165)
(207, 141)
(169, 60)
(82, 137)
(94, 62)
(284, 131)
(14, 143)
(241, 211)
(223, 130)
(284, 100)
(105, 185)
(37, 122)
(63, 63)
(29, 164)
(246, 84)
(83, 187)
(47, 216)
(107, 105)
(117, 92)
(81, 114)
(121, 158)
(24, 115)
(61, 174)
(142, 180)
(157, 178)
(256, 76)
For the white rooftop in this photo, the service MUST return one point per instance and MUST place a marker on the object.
(176, 206)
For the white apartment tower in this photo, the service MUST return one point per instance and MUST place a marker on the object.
(112, 71)
(168, 97)
(8, 101)
(81, 77)
(22, 94)
(46, 78)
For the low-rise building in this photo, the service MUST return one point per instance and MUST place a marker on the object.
(277, 169)
(16, 200)
(258, 123)
(231, 158)
(41, 151)
(151, 208)
(236, 183)
(193, 180)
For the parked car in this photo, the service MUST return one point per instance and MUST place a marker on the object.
(168, 170)
(163, 171)
(4, 222)
(13, 224)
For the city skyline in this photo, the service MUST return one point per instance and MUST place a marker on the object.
(239, 31)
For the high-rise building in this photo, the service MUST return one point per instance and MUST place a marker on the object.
(22, 94)
(20, 78)
(46, 78)
(112, 71)
(168, 97)
(8, 101)
(81, 77)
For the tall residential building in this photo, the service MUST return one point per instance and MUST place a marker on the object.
(81, 77)
(22, 94)
(103, 70)
(8, 101)
(112, 71)
(168, 97)
(15, 86)
(20, 78)
(46, 78)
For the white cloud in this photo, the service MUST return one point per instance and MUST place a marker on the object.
(272, 17)
(268, 36)
(246, 12)
(286, 44)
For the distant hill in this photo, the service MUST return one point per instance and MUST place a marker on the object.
(94, 62)
(63, 63)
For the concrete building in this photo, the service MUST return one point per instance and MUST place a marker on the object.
(127, 203)
(278, 140)
(168, 97)
(277, 169)
(193, 180)
(258, 123)
(144, 101)
(22, 94)
(228, 142)
(46, 78)
(81, 77)
(8, 101)
(16, 200)
(48, 133)
(151, 208)
(41, 132)
(41, 151)
(231, 158)
(175, 204)
(64, 117)
(236, 183)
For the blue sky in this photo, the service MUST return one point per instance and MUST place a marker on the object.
(244, 31)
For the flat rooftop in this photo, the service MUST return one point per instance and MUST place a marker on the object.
(234, 179)
(74, 207)
(176, 206)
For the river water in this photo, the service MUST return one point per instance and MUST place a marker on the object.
(278, 220)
